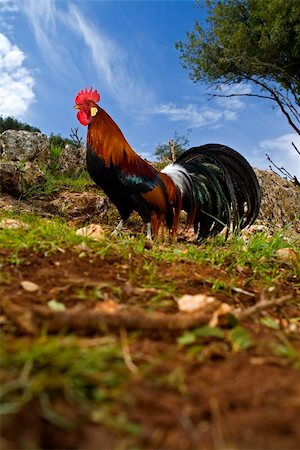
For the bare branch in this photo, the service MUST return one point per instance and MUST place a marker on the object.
(297, 150)
(276, 97)
(283, 171)
(263, 305)
(74, 136)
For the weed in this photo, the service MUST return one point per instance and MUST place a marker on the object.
(55, 366)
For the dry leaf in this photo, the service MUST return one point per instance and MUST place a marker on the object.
(93, 231)
(286, 254)
(29, 286)
(189, 303)
(54, 305)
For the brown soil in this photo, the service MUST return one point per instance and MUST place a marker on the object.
(226, 399)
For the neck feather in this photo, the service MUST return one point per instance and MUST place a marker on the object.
(107, 140)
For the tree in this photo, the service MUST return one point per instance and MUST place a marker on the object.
(175, 147)
(10, 123)
(249, 41)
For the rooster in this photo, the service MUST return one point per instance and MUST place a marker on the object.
(213, 183)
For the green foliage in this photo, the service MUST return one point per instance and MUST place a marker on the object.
(180, 143)
(189, 337)
(10, 123)
(57, 141)
(283, 347)
(249, 40)
(58, 182)
(240, 338)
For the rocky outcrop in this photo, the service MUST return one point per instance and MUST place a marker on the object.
(71, 160)
(23, 146)
(22, 153)
(280, 202)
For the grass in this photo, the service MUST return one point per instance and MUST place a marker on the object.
(40, 235)
(68, 367)
(257, 256)
(56, 181)
(91, 375)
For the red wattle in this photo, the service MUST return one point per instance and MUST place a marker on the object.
(83, 118)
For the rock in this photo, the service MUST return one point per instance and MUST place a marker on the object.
(31, 175)
(190, 303)
(286, 254)
(25, 146)
(16, 179)
(29, 286)
(280, 202)
(21, 155)
(9, 177)
(71, 160)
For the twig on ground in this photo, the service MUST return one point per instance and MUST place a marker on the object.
(101, 320)
(263, 305)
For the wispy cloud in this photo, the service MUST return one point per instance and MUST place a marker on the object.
(281, 151)
(110, 60)
(46, 20)
(8, 6)
(193, 115)
(16, 81)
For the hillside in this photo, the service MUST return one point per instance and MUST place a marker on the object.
(102, 348)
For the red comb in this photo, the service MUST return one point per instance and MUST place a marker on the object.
(85, 95)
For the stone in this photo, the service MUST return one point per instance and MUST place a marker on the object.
(29, 286)
(280, 202)
(25, 146)
(9, 177)
(71, 160)
(31, 176)
(286, 254)
(93, 231)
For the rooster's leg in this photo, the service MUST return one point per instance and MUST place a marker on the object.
(149, 233)
(118, 228)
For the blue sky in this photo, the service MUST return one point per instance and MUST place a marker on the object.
(49, 50)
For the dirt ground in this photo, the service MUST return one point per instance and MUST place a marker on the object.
(248, 399)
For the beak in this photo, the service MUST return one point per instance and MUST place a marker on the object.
(76, 107)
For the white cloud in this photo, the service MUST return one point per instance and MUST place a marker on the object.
(282, 152)
(7, 10)
(193, 115)
(8, 6)
(16, 82)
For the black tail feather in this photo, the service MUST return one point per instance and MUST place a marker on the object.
(225, 189)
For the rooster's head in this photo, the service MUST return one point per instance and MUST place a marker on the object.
(85, 102)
